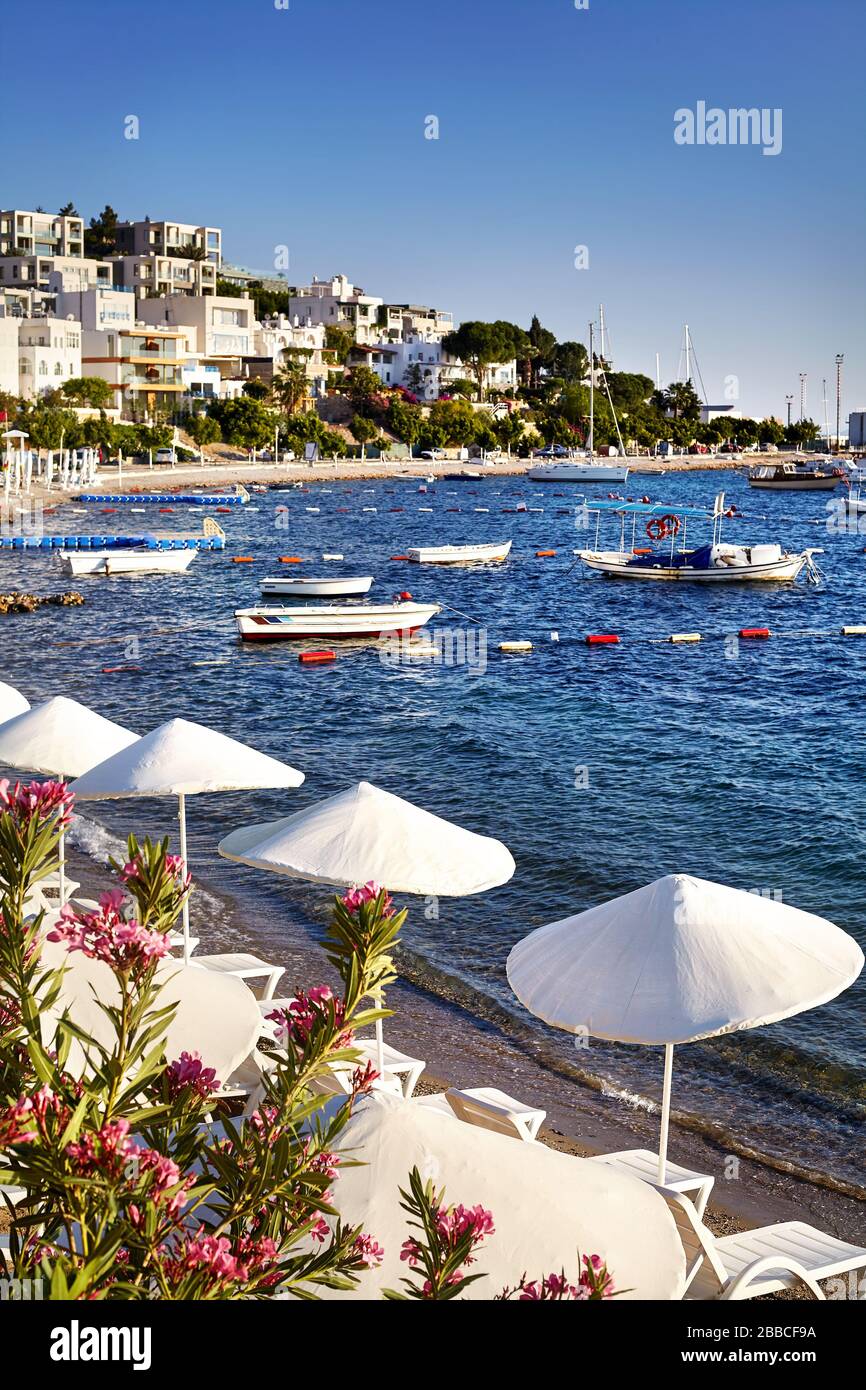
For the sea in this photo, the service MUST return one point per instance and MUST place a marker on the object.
(602, 768)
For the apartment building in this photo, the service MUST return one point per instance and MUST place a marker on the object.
(398, 321)
(149, 277)
(423, 367)
(278, 336)
(33, 245)
(168, 239)
(49, 353)
(223, 326)
(340, 304)
(144, 365)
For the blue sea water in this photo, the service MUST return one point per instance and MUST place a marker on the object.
(600, 768)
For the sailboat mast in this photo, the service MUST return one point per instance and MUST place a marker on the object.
(688, 350)
(589, 442)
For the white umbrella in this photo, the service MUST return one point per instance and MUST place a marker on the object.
(60, 738)
(679, 960)
(547, 1207)
(365, 833)
(12, 702)
(183, 759)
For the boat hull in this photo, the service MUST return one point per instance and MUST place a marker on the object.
(616, 566)
(318, 588)
(579, 473)
(795, 484)
(460, 554)
(334, 624)
(109, 563)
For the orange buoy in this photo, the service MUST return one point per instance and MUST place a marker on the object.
(642, 550)
(291, 560)
(243, 559)
(601, 639)
(106, 510)
(405, 596)
(541, 554)
(760, 632)
(399, 557)
(166, 509)
(312, 658)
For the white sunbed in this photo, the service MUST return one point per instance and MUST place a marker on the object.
(757, 1262)
(400, 1068)
(489, 1108)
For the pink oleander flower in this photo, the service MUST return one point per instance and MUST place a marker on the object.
(363, 1080)
(191, 1254)
(356, 896)
(320, 1230)
(107, 1152)
(134, 871)
(36, 800)
(366, 1249)
(16, 1124)
(456, 1222)
(308, 1010)
(108, 936)
(187, 1074)
(410, 1251)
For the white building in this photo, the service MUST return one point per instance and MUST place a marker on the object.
(279, 335)
(8, 352)
(148, 238)
(143, 365)
(223, 327)
(155, 275)
(423, 367)
(33, 244)
(97, 308)
(49, 353)
(337, 303)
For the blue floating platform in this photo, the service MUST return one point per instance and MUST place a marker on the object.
(198, 499)
(179, 542)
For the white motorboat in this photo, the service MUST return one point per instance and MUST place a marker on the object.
(317, 588)
(796, 475)
(460, 554)
(713, 562)
(592, 471)
(265, 624)
(138, 560)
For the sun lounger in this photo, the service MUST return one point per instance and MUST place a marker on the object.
(760, 1261)
(244, 967)
(399, 1066)
(644, 1164)
(489, 1108)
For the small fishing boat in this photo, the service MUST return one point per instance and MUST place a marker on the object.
(265, 624)
(460, 554)
(796, 475)
(713, 562)
(317, 588)
(137, 560)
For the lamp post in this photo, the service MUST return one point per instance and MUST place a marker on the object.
(788, 402)
(802, 395)
(840, 358)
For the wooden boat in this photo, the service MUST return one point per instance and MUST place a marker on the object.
(460, 554)
(266, 624)
(709, 563)
(325, 587)
(794, 476)
(143, 560)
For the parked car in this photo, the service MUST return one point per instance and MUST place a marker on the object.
(165, 456)
(552, 451)
(432, 453)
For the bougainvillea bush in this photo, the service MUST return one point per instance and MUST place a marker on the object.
(138, 1180)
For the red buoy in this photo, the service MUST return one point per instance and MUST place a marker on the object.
(601, 639)
(759, 632)
(405, 596)
(313, 658)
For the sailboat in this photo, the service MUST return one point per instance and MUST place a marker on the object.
(590, 469)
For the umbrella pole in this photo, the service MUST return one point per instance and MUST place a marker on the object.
(181, 815)
(61, 867)
(666, 1112)
(380, 1036)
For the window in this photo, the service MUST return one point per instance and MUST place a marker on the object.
(24, 366)
(43, 367)
(58, 370)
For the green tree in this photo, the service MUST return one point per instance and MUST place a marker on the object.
(338, 342)
(480, 344)
(68, 210)
(406, 422)
(682, 401)
(189, 251)
(91, 391)
(100, 238)
(509, 430)
(363, 386)
(770, 431)
(244, 422)
(571, 362)
(256, 389)
(800, 432)
(456, 420)
(365, 431)
(203, 430)
(542, 350)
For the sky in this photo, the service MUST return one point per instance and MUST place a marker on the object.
(303, 123)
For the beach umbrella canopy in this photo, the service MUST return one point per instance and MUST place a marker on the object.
(216, 1015)
(183, 759)
(548, 1207)
(12, 702)
(60, 738)
(679, 960)
(365, 833)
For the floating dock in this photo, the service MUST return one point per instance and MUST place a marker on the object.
(167, 499)
(211, 537)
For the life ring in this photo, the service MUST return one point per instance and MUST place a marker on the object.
(658, 528)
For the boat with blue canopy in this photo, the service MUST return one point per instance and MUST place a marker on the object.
(670, 555)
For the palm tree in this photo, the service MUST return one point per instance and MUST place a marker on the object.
(289, 386)
(190, 252)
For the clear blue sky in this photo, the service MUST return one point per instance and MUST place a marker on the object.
(305, 126)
